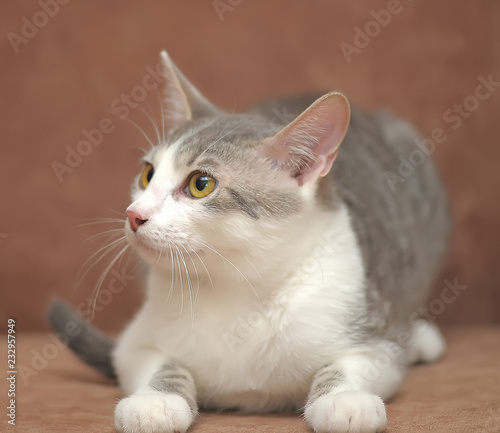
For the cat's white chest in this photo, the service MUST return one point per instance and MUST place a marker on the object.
(258, 355)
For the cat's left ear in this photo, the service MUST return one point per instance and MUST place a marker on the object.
(182, 100)
(308, 146)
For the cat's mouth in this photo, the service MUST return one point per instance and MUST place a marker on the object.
(152, 250)
(144, 247)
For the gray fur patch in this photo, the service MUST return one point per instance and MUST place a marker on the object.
(172, 378)
(88, 344)
(242, 204)
(402, 227)
(325, 381)
(226, 138)
(228, 146)
(255, 203)
(210, 162)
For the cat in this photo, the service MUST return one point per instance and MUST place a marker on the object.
(283, 271)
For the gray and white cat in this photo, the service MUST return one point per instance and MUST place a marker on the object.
(283, 272)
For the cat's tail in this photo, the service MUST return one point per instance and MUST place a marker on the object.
(86, 342)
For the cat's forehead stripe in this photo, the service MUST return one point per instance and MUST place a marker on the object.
(195, 145)
(206, 162)
(225, 138)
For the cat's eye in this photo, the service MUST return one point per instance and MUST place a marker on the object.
(200, 185)
(147, 175)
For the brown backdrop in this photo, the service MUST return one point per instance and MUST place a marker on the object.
(64, 79)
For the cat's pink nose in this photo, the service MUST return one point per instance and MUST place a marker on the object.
(134, 219)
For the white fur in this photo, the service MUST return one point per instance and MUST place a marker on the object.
(347, 411)
(265, 350)
(154, 412)
(266, 306)
(427, 343)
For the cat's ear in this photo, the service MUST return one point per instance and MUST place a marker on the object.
(182, 101)
(308, 146)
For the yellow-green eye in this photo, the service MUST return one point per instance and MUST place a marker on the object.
(200, 185)
(147, 175)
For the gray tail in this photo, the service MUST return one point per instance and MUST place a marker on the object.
(87, 343)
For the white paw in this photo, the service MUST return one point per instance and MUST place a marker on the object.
(153, 412)
(348, 411)
(427, 345)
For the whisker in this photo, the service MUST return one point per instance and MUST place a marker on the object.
(253, 266)
(220, 138)
(196, 270)
(95, 293)
(231, 263)
(159, 257)
(195, 295)
(88, 266)
(173, 275)
(141, 131)
(203, 263)
(120, 214)
(190, 285)
(94, 221)
(180, 278)
(163, 123)
(153, 122)
(103, 234)
(162, 116)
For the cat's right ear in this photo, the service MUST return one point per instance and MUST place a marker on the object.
(182, 101)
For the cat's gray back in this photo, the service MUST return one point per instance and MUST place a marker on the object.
(401, 218)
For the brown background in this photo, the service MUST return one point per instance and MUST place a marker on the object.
(66, 77)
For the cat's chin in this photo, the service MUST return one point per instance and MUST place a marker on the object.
(153, 257)
(143, 247)
(152, 254)
(147, 251)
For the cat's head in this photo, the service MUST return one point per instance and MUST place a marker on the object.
(223, 183)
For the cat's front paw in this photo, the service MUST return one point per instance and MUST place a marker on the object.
(348, 411)
(153, 412)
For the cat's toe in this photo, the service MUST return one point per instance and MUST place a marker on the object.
(349, 411)
(153, 412)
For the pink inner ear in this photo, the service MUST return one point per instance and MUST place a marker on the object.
(328, 163)
(312, 141)
(321, 167)
(313, 171)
